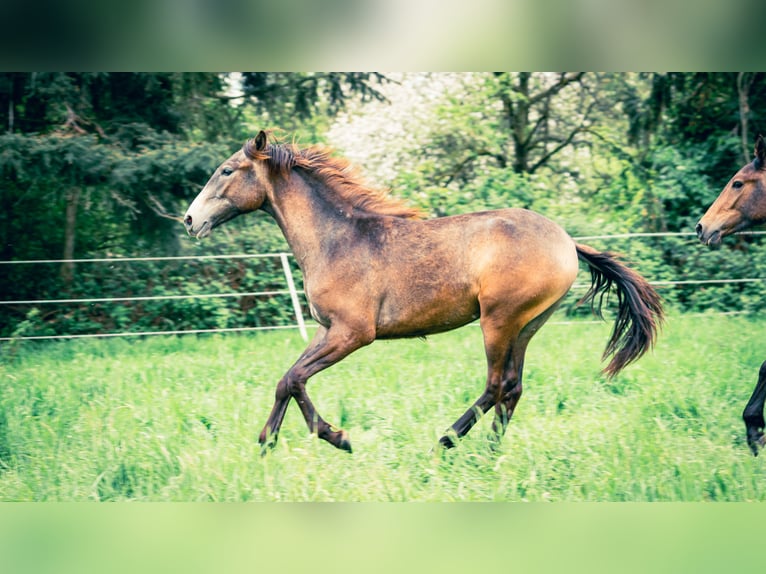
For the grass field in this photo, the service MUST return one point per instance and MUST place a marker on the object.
(177, 419)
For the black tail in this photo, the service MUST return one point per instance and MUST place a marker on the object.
(639, 313)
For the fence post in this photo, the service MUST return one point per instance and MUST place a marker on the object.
(294, 296)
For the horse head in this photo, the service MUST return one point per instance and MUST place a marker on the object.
(239, 185)
(741, 204)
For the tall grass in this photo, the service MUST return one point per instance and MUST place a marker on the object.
(178, 418)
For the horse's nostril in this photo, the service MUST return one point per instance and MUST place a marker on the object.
(188, 220)
(699, 229)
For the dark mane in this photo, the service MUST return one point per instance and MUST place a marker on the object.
(338, 173)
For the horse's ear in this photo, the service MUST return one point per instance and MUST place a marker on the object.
(760, 152)
(261, 140)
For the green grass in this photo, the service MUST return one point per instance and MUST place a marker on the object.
(177, 419)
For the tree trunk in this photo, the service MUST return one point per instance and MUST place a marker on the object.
(520, 125)
(10, 113)
(744, 82)
(70, 225)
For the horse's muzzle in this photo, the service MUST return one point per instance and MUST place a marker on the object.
(202, 231)
(188, 223)
(710, 238)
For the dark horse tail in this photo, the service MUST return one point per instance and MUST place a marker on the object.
(639, 312)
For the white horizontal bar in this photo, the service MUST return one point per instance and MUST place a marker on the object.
(687, 282)
(287, 292)
(657, 234)
(145, 298)
(283, 327)
(149, 333)
(132, 259)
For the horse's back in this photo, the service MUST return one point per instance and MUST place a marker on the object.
(439, 273)
(509, 241)
(522, 260)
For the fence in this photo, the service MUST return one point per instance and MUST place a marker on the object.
(290, 284)
(283, 257)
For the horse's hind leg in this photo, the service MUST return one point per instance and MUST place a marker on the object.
(498, 343)
(512, 377)
(511, 388)
(753, 414)
(505, 344)
(465, 423)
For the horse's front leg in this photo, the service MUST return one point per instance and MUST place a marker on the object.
(753, 414)
(327, 348)
(268, 436)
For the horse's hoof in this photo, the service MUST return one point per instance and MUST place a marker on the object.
(447, 442)
(268, 443)
(267, 448)
(756, 441)
(344, 443)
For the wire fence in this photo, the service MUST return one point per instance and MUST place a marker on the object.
(291, 290)
(295, 294)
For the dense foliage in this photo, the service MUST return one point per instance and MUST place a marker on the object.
(102, 164)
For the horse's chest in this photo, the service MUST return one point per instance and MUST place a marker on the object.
(329, 302)
(318, 315)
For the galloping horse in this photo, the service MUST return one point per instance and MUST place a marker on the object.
(374, 269)
(741, 205)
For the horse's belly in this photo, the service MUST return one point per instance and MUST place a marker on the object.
(410, 315)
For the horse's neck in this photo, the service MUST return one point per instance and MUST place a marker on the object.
(308, 220)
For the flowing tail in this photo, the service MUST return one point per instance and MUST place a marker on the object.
(639, 313)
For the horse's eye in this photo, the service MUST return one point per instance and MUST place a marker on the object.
(227, 171)
(737, 184)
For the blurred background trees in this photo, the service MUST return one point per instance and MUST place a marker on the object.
(102, 165)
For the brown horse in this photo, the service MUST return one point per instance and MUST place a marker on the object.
(373, 269)
(741, 205)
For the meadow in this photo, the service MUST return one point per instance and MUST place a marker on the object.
(177, 419)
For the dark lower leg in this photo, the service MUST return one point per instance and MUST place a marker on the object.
(268, 436)
(753, 413)
(465, 423)
(511, 393)
(498, 343)
(505, 407)
(327, 348)
(335, 436)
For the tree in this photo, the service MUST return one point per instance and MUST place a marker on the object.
(160, 133)
(519, 121)
(95, 163)
(538, 132)
(488, 139)
(688, 133)
(287, 97)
